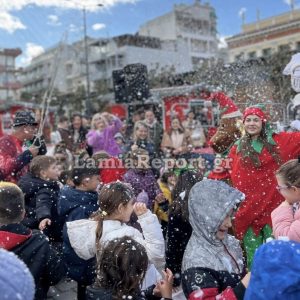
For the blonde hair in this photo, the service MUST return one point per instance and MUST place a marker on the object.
(137, 126)
(95, 118)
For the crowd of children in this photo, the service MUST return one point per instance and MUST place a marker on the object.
(135, 232)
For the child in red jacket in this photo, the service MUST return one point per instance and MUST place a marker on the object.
(111, 168)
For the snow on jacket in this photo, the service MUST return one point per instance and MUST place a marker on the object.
(275, 272)
(143, 144)
(178, 234)
(74, 204)
(155, 133)
(13, 160)
(41, 198)
(259, 184)
(104, 141)
(286, 223)
(82, 237)
(209, 264)
(143, 180)
(34, 249)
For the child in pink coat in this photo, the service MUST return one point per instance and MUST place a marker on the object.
(286, 217)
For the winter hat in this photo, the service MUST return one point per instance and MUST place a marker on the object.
(275, 272)
(142, 197)
(258, 110)
(24, 118)
(227, 107)
(16, 281)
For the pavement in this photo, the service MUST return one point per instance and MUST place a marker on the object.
(66, 289)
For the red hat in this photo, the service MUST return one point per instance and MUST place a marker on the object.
(227, 106)
(255, 110)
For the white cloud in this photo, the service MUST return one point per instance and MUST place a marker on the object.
(98, 26)
(10, 23)
(91, 5)
(31, 51)
(292, 2)
(73, 28)
(53, 20)
(242, 11)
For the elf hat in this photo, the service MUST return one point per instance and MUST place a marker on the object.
(258, 110)
(227, 107)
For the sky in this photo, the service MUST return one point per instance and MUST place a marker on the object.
(35, 25)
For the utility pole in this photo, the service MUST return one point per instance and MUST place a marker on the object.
(88, 104)
(87, 69)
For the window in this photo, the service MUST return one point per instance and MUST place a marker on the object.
(239, 56)
(267, 52)
(283, 48)
(252, 55)
(69, 68)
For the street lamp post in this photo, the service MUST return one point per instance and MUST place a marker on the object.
(88, 103)
(87, 69)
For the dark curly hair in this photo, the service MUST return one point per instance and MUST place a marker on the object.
(122, 267)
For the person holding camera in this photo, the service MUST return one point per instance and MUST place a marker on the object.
(13, 158)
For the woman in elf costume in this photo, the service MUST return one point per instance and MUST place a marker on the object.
(254, 158)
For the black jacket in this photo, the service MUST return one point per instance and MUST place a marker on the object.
(178, 235)
(74, 204)
(81, 141)
(33, 248)
(41, 198)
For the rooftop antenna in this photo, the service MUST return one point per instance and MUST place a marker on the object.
(243, 16)
(258, 15)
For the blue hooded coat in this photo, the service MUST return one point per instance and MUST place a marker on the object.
(275, 273)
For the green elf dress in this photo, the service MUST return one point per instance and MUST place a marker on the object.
(252, 223)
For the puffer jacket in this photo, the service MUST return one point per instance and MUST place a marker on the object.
(143, 180)
(212, 265)
(74, 204)
(41, 198)
(104, 141)
(82, 238)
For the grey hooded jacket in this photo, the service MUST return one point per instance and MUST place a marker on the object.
(210, 201)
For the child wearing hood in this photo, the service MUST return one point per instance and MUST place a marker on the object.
(275, 272)
(213, 264)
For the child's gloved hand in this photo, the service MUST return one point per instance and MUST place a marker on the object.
(44, 223)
